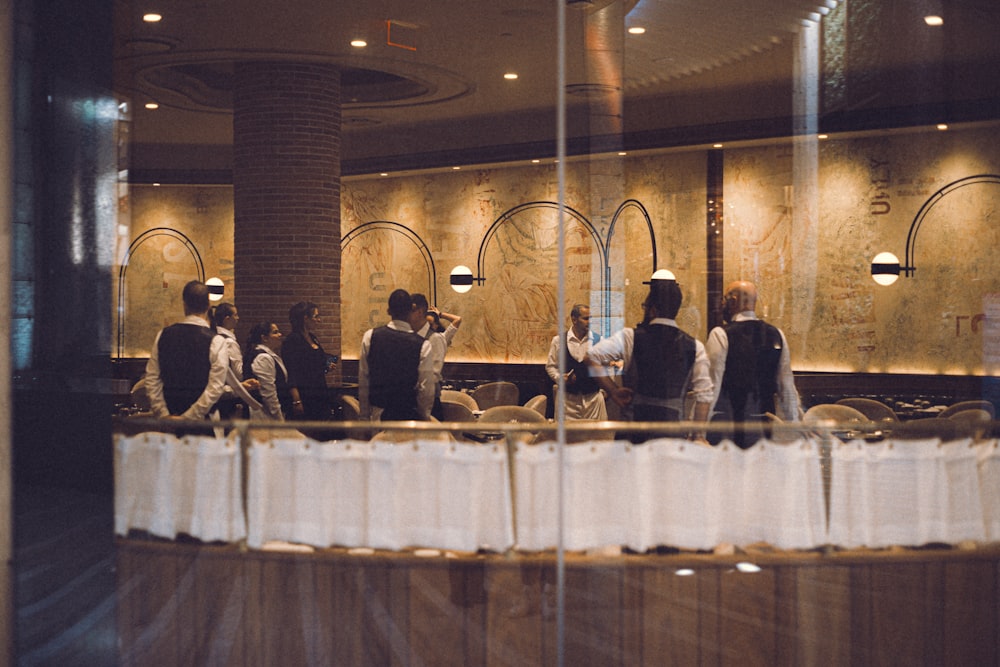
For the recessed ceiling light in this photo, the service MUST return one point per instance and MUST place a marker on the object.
(822, 136)
(636, 30)
(716, 145)
(933, 19)
(152, 18)
(622, 153)
(156, 185)
(359, 43)
(384, 174)
(535, 161)
(510, 76)
(151, 105)
(942, 126)
(456, 168)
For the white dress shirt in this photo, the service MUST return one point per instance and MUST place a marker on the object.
(717, 346)
(425, 376)
(218, 358)
(578, 406)
(265, 369)
(619, 348)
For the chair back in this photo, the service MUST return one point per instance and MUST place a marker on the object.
(539, 403)
(969, 405)
(841, 414)
(459, 397)
(492, 394)
(456, 412)
(504, 414)
(350, 406)
(877, 411)
(930, 427)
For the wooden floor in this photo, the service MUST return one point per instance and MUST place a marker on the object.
(198, 605)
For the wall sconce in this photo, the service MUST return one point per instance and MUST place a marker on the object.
(885, 265)
(660, 275)
(461, 279)
(216, 289)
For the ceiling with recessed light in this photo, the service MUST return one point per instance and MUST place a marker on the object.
(431, 79)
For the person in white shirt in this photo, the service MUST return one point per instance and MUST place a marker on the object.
(225, 318)
(426, 322)
(751, 366)
(661, 363)
(584, 398)
(262, 361)
(396, 368)
(188, 365)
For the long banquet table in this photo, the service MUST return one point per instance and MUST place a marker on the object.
(468, 497)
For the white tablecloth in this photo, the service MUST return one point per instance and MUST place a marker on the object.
(168, 485)
(671, 492)
(379, 494)
(988, 464)
(906, 492)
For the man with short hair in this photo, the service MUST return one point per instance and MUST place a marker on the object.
(396, 367)
(584, 399)
(188, 365)
(661, 363)
(751, 366)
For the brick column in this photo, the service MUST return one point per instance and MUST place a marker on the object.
(286, 192)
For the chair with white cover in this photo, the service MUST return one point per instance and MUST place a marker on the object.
(875, 410)
(454, 396)
(539, 403)
(492, 394)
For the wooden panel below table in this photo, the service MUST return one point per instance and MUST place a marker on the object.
(183, 604)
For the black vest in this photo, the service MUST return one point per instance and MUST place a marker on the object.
(184, 364)
(280, 381)
(583, 383)
(393, 362)
(662, 359)
(751, 378)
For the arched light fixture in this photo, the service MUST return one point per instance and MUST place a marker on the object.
(885, 265)
(461, 279)
(216, 289)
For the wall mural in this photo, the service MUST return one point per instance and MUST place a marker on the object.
(805, 234)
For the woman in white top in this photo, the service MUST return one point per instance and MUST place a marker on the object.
(263, 362)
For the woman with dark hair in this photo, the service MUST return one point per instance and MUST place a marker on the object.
(262, 362)
(307, 365)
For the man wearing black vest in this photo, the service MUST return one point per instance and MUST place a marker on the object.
(584, 399)
(188, 365)
(396, 368)
(751, 367)
(661, 363)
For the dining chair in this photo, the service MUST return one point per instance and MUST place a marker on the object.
(539, 403)
(875, 410)
(841, 414)
(456, 412)
(931, 427)
(492, 394)
(465, 399)
(970, 405)
(505, 414)
(976, 420)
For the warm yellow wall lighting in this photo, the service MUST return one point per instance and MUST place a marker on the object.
(933, 19)
(151, 105)
(152, 18)
(636, 30)
(359, 43)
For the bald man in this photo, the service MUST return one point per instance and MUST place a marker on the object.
(750, 366)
